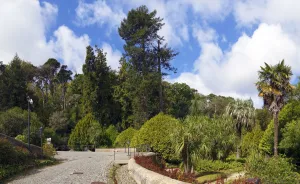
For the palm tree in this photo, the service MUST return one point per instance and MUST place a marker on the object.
(187, 139)
(274, 86)
(243, 113)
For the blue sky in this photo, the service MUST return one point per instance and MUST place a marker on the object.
(222, 43)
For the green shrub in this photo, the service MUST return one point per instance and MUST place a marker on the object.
(7, 152)
(250, 141)
(217, 137)
(274, 170)
(86, 132)
(202, 165)
(156, 133)
(48, 150)
(125, 136)
(290, 139)
(21, 138)
(266, 143)
(15, 120)
(112, 133)
(11, 155)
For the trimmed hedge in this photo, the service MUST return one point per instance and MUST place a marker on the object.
(125, 136)
(156, 133)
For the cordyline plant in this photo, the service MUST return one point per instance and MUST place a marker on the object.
(274, 86)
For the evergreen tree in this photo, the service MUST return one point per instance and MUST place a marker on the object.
(145, 60)
(99, 80)
(13, 88)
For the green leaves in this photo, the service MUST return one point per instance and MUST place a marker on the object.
(273, 84)
(156, 133)
(124, 137)
(86, 132)
(274, 170)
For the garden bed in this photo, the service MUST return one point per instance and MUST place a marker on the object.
(159, 166)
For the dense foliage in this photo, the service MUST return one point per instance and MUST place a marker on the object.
(125, 137)
(290, 140)
(251, 140)
(156, 133)
(104, 108)
(273, 170)
(86, 133)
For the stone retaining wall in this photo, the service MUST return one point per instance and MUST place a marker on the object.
(37, 151)
(144, 176)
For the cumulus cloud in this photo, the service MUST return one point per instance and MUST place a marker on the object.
(268, 11)
(98, 12)
(234, 73)
(70, 48)
(23, 29)
(174, 13)
(25, 33)
(112, 56)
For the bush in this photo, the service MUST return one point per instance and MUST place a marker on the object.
(21, 138)
(266, 143)
(250, 142)
(15, 120)
(290, 140)
(86, 132)
(7, 152)
(275, 170)
(217, 137)
(125, 136)
(112, 133)
(202, 165)
(48, 150)
(10, 155)
(156, 133)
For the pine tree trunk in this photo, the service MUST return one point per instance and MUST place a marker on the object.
(161, 103)
(275, 116)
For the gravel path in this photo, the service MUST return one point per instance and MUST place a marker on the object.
(88, 167)
(123, 176)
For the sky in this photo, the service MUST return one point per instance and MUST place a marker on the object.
(221, 43)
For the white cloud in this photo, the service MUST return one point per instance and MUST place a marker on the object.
(174, 13)
(24, 25)
(70, 48)
(23, 28)
(234, 73)
(99, 13)
(112, 56)
(268, 11)
(212, 9)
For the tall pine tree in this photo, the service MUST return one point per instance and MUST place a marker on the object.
(147, 59)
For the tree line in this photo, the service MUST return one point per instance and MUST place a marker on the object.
(124, 98)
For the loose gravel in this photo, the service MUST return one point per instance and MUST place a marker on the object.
(123, 176)
(77, 168)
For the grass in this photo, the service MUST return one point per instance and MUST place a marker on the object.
(210, 177)
(112, 174)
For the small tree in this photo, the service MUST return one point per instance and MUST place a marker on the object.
(187, 140)
(243, 112)
(86, 132)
